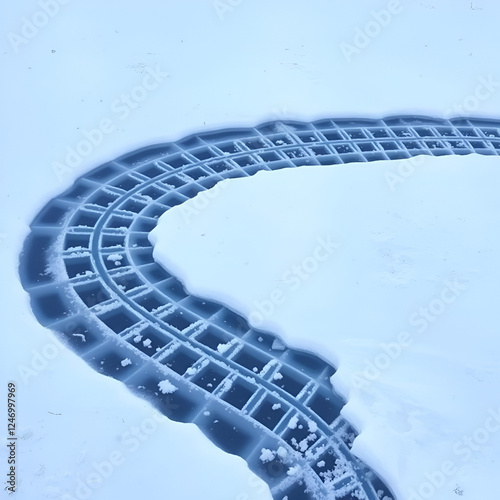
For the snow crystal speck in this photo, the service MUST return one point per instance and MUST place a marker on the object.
(166, 387)
(266, 455)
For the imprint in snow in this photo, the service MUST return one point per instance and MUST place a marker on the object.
(168, 350)
(193, 371)
(164, 311)
(116, 258)
(85, 273)
(222, 348)
(293, 422)
(267, 367)
(226, 385)
(79, 254)
(166, 387)
(266, 455)
(103, 308)
(135, 333)
(313, 426)
(304, 444)
(125, 362)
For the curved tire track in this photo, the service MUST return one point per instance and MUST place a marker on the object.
(87, 265)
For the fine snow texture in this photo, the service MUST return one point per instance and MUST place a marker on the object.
(228, 62)
(388, 270)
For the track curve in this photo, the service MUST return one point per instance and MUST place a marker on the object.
(88, 267)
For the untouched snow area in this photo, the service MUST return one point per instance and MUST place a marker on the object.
(121, 77)
(395, 284)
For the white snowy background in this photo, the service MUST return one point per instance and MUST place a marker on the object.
(135, 73)
(395, 287)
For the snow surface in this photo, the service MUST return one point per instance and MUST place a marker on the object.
(229, 63)
(396, 285)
